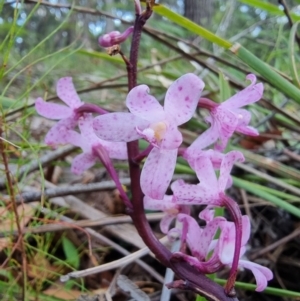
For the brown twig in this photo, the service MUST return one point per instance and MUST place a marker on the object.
(32, 196)
(15, 210)
(290, 21)
(46, 159)
(80, 9)
(276, 244)
(114, 245)
(58, 226)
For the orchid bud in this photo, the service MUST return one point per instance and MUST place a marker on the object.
(114, 37)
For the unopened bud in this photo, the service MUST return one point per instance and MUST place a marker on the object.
(114, 37)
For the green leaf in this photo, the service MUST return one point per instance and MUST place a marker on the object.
(267, 72)
(270, 8)
(269, 290)
(224, 87)
(191, 26)
(293, 66)
(71, 253)
(255, 189)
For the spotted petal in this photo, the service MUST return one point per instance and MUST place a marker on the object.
(82, 162)
(58, 134)
(247, 96)
(119, 127)
(142, 104)
(226, 122)
(207, 138)
(52, 110)
(116, 150)
(205, 172)
(67, 93)
(226, 166)
(188, 194)
(166, 204)
(157, 172)
(182, 98)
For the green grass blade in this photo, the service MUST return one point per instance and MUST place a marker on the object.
(191, 26)
(270, 8)
(254, 189)
(293, 65)
(267, 72)
(269, 290)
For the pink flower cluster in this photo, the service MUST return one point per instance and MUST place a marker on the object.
(70, 116)
(147, 119)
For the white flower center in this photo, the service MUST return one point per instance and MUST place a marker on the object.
(155, 132)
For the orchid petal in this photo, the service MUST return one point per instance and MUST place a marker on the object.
(182, 98)
(172, 138)
(226, 122)
(226, 166)
(74, 138)
(247, 130)
(207, 138)
(193, 236)
(140, 103)
(173, 234)
(52, 110)
(261, 274)
(67, 93)
(215, 157)
(85, 125)
(116, 150)
(166, 204)
(249, 95)
(188, 194)
(166, 222)
(208, 234)
(207, 214)
(246, 229)
(58, 134)
(227, 243)
(205, 172)
(157, 172)
(82, 162)
(244, 116)
(119, 127)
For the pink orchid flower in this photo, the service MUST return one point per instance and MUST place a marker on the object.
(211, 189)
(92, 146)
(114, 37)
(67, 114)
(201, 242)
(228, 117)
(158, 125)
(226, 245)
(169, 207)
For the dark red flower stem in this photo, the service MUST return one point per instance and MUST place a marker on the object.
(137, 213)
(192, 280)
(236, 216)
